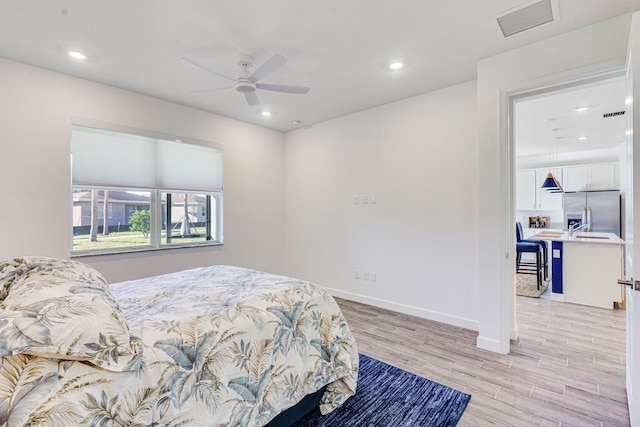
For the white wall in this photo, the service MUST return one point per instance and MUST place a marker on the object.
(437, 164)
(419, 158)
(35, 209)
(560, 59)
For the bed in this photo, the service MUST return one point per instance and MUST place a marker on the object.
(211, 346)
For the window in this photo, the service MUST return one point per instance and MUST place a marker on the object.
(186, 217)
(156, 193)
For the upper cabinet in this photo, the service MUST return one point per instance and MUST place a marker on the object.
(526, 189)
(530, 196)
(600, 176)
(529, 192)
(546, 199)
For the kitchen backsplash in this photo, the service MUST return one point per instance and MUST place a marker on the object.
(546, 219)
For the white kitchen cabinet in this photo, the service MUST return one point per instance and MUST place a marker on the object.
(526, 189)
(604, 177)
(530, 195)
(600, 176)
(547, 200)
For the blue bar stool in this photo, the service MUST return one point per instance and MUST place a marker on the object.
(545, 248)
(528, 267)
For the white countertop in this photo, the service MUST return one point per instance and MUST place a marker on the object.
(578, 237)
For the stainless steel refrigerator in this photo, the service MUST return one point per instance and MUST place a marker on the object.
(599, 209)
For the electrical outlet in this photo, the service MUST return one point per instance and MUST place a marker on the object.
(373, 277)
(365, 275)
(365, 199)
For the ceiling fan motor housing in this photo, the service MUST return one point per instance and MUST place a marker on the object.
(243, 81)
(244, 86)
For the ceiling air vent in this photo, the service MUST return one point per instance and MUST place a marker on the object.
(527, 16)
(614, 114)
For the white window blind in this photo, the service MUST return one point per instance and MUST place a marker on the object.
(105, 157)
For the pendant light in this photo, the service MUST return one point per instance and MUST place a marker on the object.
(551, 183)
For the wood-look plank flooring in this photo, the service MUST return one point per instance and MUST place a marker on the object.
(566, 369)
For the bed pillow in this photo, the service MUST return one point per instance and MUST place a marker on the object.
(10, 270)
(65, 310)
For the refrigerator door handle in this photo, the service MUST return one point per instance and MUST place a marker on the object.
(589, 225)
(584, 218)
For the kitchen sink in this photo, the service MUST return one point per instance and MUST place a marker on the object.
(592, 237)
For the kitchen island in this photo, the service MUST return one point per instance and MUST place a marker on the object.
(585, 267)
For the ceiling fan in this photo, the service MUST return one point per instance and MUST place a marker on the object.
(247, 82)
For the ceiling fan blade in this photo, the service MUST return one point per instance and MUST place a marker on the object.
(210, 89)
(199, 64)
(269, 66)
(252, 98)
(283, 88)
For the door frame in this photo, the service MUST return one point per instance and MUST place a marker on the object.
(632, 207)
(511, 98)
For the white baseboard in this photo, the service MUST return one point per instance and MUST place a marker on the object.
(491, 345)
(407, 309)
(557, 297)
(513, 334)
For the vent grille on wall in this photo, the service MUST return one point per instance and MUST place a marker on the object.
(527, 16)
(614, 114)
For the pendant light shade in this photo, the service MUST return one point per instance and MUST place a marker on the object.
(558, 188)
(550, 182)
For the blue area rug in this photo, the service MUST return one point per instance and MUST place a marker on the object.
(389, 396)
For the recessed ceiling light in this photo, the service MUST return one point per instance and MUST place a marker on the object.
(395, 65)
(581, 109)
(77, 55)
(296, 122)
(582, 138)
(266, 113)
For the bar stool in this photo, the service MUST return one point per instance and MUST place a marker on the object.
(528, 267)
(545, 249)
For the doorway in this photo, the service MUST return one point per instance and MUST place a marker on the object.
(554, 130)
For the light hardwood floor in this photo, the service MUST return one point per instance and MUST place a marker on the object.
(566, 369)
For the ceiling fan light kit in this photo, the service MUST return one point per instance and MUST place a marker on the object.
(245, 86)
(246, 82)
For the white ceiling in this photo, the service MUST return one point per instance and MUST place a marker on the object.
(341, 49)
(549, 124)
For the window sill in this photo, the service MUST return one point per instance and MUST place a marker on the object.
(142, 249)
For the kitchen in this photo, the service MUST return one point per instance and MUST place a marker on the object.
(570, 158)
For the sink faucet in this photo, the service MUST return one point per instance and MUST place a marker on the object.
(573, 228)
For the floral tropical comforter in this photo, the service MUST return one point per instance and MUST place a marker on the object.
(213, 346)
